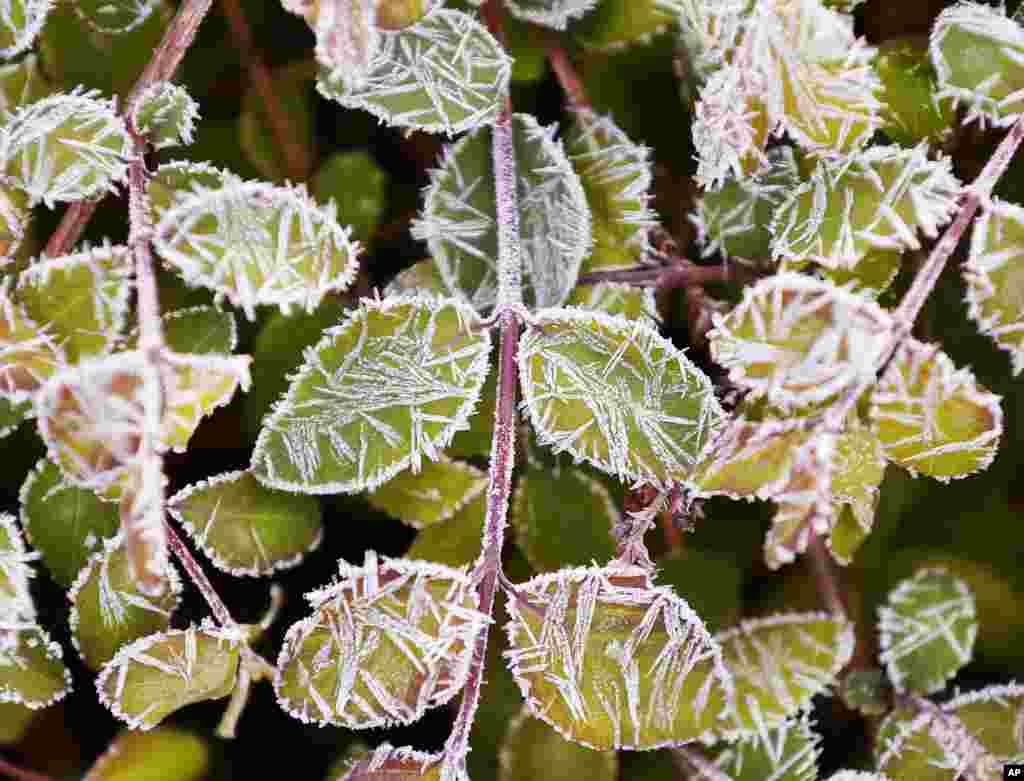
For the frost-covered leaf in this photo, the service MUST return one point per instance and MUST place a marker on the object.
(16, 607)
(460, 222)
(178, 181)
(421, 277)
(563, 517)
(872, 276)
(616, 394)
(20, 23)
(455, 542)
(858, 467)
(445, 73)
(733, 220)
(109, 610)
(433, 495)
(779, 663)
(912, 111)
(32, 671)
(751, 459)
(194, 386)
(797, 340)
(22, 82)
(927, 630)
(614, 24)
(994, 274)
(866, 691)
(15, 217)
(616, 176)
(388, 763)
(804, 503)
(978, 54)
(29, 354)
(618, 300)
(81, 300)
(165, 114)
(785, 753)
(532, 750)
(555, 14)
(934, 418)
(156, 675)
(386, 641)
(66, 147)
(347, 35)
(163, 754)
(612, 662)
(253, 243)
(387, 387)
(114, 16)
(64, 522)
(246, 528)
(200, 330)
(689, 572)
(12, 414)
(879, 198)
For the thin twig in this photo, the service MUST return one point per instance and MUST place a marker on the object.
(682, 273)
(568, 77)
(165, 60)
(198, 577)
(298, 158)
(825, 577)
(16, 773)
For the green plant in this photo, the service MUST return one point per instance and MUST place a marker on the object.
(582, 410)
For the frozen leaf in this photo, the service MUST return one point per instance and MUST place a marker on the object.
(978, 54)
(788, 752)
(29, 354)
(433, 495)
(164, 754)
(16, 607)
(20, 23)
(460, 220)
(346, 32)
(532, 750)
(934, 418)
(876, 199)
(64, 522)
(750, 460)
(555, 14)
(388, 763)
(22, 82)
(857, 471)
(194, 386)
(912, 111)
(154, 676)
(857, 775)
(614, 24)
(872, 276)
(422, 277)
(200, 330)
(563, 517)
(618, 300)
(253, 243)
(779, 663)
(733, 220)
(66, 147)
(80, 300)
(616, 177)
(387, 387)
(15, 217)
(246, 528)
(108, 608)
(616, 394)
(178, 181)
(445, 73)
(927, 630)
(32, 671)
(994, 274)
(455, 542)
(12, 414)
(165, 114)
(612, 662)
(114, 17)
(797, 340)
(866, 691)
(386, 641)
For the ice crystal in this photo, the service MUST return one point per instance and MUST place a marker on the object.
(20, 23)
(114, 17)
(555, 14)
(16, 607)
(388, 763)
(785, 753)
(166, 115)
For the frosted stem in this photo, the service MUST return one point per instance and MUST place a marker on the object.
(510, 264)
(682, 274)
(165, 60)
(198, 577)
(568, 77)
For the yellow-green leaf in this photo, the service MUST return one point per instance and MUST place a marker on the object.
(433, 495)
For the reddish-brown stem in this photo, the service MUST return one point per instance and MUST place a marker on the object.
(825, 577)
(199, 579)
(682, 273)
(165, 60)
(568, 77)
(298, 160)
(16, 773)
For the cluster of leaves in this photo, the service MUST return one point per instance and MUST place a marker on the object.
(398, 399)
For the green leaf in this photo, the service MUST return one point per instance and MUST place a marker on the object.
(934, 418)
(617, 23)
(876, 199)
(788, 752)
(617, 299)
(709, 582)
(29, 354)
(200, 330)
(866, 691)
(194, 386)
(873, 275)
(555, 14)
(12, 414)
(292, 84)
(64, 522)
(175, 182)
(65, 148)
(455, 542)
(780, 662)
(158, 674)
(165, 754)
(20, 22)
(246, 528)
(396, 764)
(460, 220)
(165, 114)
(421, 277)
(15, 722)
(433, 495)
(32, 671)
(253, 243)
(611, 662)
(22, 82)
(532, 750)
(361, 207)
(976, 51)
(617, 177)
(109, 610)
(16, 607)
(475, 441)
(993, 275)
(858, 468)
(912, 111)
(445, 73)
(114, 16)
(927, 630)
(386, 641)
(563, 517)
(857, 775)
(15, 220)
(617, 395)
(796, 340)
(751, 459)
(387, 387)
(80, 299)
